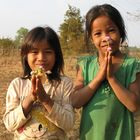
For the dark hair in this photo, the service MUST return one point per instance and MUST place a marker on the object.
(106, 10)
(33, 37)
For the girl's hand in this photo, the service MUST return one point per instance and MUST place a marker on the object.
(37, 91)
(40, 92)
(43, 98)
(33, 93)
(110, 72)
(103, 68)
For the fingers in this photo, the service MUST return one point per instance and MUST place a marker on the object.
(39, 86)
(106, 58)
(109, 58)
(33, 81)
(38, 83)
(109, 66)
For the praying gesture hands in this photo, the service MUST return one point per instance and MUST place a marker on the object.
(38, 91)
(106, 67)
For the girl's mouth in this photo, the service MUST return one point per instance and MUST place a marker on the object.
(41, 65)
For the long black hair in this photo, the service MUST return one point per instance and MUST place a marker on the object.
(107, 10)
(36, 35)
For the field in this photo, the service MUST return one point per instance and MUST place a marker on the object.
(10, 67)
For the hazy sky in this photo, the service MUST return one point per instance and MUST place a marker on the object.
(15, 14)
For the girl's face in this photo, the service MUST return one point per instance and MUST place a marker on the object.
(102, 28)
(41, 55)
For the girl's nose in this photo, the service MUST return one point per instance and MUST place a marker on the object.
(106, 38)
(41, 56)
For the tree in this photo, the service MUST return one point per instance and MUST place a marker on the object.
(21, 33)
(6, 46)
(71, 30)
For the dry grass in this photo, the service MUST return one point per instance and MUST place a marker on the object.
(10, 67)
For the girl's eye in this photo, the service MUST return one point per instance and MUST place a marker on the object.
(48, 51)
(96, 34)
(112, 30)
(33, 51)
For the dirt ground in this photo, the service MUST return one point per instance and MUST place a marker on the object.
(8, 71)
(11, 68)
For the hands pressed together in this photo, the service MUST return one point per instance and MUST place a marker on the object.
(106, 67)
(37, 91)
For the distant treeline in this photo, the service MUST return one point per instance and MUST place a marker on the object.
(71, 35)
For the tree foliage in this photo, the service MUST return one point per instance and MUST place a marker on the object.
(11, 47)
(71, 30)
(21, 33)
(6, 46)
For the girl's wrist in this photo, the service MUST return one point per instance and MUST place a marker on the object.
(30, 99)
(48, 104)
(27, 105)
(42, 97)
(96, 81)
(110, 79)
(99, 77)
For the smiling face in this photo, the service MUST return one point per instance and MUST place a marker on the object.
(102, 27)
(41, 55)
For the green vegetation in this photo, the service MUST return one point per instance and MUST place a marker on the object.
(71, 34)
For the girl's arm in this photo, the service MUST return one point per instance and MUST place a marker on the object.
(129, 97)
(83, 94)
(27, 103)
(42, 96)
(61, 114)
(14, 116)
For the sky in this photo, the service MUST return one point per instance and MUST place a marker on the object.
(15, 14)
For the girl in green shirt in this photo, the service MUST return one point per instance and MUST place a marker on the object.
(107, 85)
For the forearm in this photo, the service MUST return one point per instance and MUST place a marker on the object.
(125, 96)
(83, 95)
(48, 103)
(14, 118)
(62, 116)
(27, 105)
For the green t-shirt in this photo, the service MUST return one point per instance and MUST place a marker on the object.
(104, 117)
